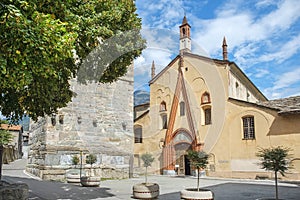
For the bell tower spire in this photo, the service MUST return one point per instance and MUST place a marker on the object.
(185, 36)
(224, 46)
(152, 70)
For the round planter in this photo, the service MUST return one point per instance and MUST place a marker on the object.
(73, 175)
(145, 191)
(73, 178)
(193, 194)
(90, 181)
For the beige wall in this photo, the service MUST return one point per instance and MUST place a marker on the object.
(232, 156)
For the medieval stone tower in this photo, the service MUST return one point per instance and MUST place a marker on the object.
(98, 120)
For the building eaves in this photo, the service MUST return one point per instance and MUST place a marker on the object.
(141, 116)
(290, 105)
(253, 104)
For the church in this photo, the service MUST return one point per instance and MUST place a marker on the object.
(201, 103)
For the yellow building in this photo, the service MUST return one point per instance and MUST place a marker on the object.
(208, 104)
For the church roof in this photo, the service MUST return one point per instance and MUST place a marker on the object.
(233, 65)
(290, 105)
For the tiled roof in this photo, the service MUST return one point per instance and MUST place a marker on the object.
(290, 105)
(11, 127)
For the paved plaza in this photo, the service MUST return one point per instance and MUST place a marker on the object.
(170, 186)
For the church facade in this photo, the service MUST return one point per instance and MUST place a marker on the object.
(209, 104)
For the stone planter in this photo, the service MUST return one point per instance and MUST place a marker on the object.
(145, 191)
(90, 181)
(193, 194)
(73, 175)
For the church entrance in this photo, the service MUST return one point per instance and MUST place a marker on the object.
(182, 165)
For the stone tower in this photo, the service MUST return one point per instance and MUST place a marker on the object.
(99, 120)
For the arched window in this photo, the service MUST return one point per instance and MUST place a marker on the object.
(248, 127)
(164, 121)
(205, 98)
(163, 106)
(138, 134)
(207, 115)
(182, 108)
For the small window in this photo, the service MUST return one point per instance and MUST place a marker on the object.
(182, 108)
(61, 119)
(138, 134)
(207, 114)
(163, 106)
(205, 98)
(248, 128)
(164, 119)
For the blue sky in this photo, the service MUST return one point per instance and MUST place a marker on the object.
(263, 38)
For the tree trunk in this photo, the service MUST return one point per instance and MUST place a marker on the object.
(276, 185)
(198, 178)
(146, 176)
(1, 155)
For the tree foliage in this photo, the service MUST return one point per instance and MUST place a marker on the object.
(91, 159)
(274, 159)
(5, 137)
(199, 160)
(75, 160)
(39, 40)
(148, 159)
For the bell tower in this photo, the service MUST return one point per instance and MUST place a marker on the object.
(185, 36)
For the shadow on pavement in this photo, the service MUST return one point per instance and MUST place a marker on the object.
(49, 190)
(241, 191)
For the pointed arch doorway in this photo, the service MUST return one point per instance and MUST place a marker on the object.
(182, 163)
(175, 153)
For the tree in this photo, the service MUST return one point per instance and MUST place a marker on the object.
(44, 44)
(75, 160)
(199, 160)
(147, 158)
(274, 159)
(5, 138)
(91, 159)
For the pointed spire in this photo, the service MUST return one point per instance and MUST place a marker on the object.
(152, 70)
(184, 21)
(224, 46)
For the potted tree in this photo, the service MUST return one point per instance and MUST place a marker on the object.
(198, 160)
(274, 159)
(146, 190)
(73, 175)
(90, 181)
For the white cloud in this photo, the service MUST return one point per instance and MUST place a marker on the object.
(286, 51)
(287, 79)
(261, 73)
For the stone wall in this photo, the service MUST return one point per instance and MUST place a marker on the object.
(99, 120)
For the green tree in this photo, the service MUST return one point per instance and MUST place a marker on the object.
(5, 138)
(75, 160)
(274, 159)
(38, 40)
(147, 158)
(91, 159)
(199, 160)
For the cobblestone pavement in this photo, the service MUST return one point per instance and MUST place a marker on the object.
(170, 186)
